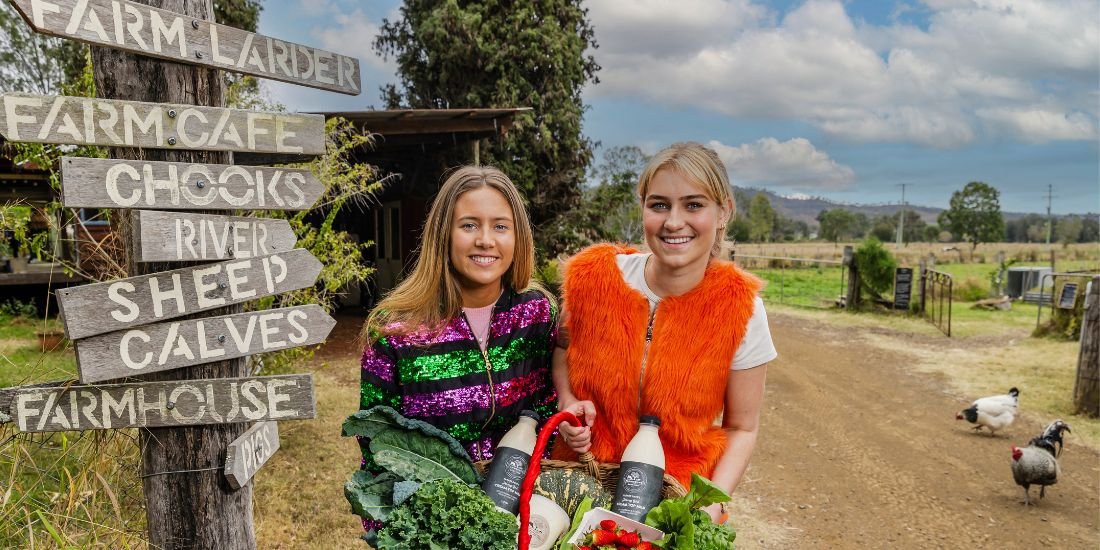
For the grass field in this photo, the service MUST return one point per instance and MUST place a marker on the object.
(1075, 256)
(794, 277)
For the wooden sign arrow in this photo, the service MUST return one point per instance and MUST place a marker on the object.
(249, 452)
(167, 35)
(184, 236)
(177, 344)
(158, 404)
(114, 183)
(117, 123)
(98, 308)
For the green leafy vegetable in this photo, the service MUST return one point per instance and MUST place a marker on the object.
(402, 490)
(375, 420)
(417, 457)
(582, 509)
(369, 495)
(686, 527)
(448, 515)
(412, 449)
(673, 516)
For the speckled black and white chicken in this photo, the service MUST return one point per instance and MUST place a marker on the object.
(995, 412)
(1037, 464)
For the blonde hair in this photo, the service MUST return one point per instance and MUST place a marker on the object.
(701, 165)
(429, 296)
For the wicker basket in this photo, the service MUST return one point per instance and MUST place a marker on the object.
(607, 473)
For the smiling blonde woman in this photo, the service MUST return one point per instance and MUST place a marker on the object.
(675, 333)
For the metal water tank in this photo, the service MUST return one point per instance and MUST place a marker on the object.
(1024, 278)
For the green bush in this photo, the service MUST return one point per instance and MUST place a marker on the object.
(970, 289)
(876, 267)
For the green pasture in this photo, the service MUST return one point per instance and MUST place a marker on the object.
(21, 359)
(808, 286)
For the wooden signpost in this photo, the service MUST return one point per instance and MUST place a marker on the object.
(115, 123)
(158, 404)
(167, 35)
(113, 183)
(123, 303)
(177, 161)
(184, 236)
(176, 344)
(249, 452)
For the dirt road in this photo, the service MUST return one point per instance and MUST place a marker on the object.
(857, 451)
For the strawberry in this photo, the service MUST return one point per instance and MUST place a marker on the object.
(645, 545)
(600, 537)
(608, 525)
(585, 548)
(629, 539)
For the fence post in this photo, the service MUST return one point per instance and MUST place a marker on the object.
(1086, 389)
(851, 301)
(923, 267)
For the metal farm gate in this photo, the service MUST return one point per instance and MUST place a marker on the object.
(935, 290)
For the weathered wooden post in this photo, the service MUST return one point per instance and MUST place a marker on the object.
(198, 509)
(923, 269)
(851, 301)
(1086, 389)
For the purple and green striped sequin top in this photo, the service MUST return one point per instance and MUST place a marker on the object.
(441, 377)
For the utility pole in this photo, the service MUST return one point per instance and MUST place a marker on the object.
(901, 216)
(1050, 224)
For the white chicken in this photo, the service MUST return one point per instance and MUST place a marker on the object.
(995, 412)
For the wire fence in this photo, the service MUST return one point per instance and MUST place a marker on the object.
(804, 282)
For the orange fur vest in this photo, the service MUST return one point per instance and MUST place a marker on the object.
(688, 361)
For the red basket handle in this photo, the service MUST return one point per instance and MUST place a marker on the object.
(533, 472)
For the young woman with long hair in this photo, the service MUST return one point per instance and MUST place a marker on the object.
(675, 333)
(464, 341)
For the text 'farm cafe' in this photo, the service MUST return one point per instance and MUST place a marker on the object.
(127, 328)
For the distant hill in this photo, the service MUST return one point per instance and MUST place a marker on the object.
(807, 208)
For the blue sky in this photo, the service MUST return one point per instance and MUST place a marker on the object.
(846, 100)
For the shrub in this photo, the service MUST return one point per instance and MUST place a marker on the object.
(970, 289)
(876, 267)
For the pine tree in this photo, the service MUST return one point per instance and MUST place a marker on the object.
(502, 54)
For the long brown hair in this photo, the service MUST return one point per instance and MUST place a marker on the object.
(429, 296)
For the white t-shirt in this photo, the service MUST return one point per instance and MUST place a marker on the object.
(756, 347)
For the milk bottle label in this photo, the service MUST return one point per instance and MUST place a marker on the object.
(639, 489)
(503, 481)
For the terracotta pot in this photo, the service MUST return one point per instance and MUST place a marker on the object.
(51, 340)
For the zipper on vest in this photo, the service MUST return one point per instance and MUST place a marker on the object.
(645, 357)
(488, 373)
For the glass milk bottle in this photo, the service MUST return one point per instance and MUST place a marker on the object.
(509, 466)
(641, 474)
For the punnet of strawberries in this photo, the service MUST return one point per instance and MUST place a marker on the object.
(609, 536)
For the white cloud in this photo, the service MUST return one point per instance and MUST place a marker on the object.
(861, 82)
(1039, 125)
(794, 164)
(353, 34)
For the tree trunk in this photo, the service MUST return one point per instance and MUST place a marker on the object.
(1086, 390)
(188, 502)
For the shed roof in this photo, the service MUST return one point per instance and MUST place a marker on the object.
(403, 132)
